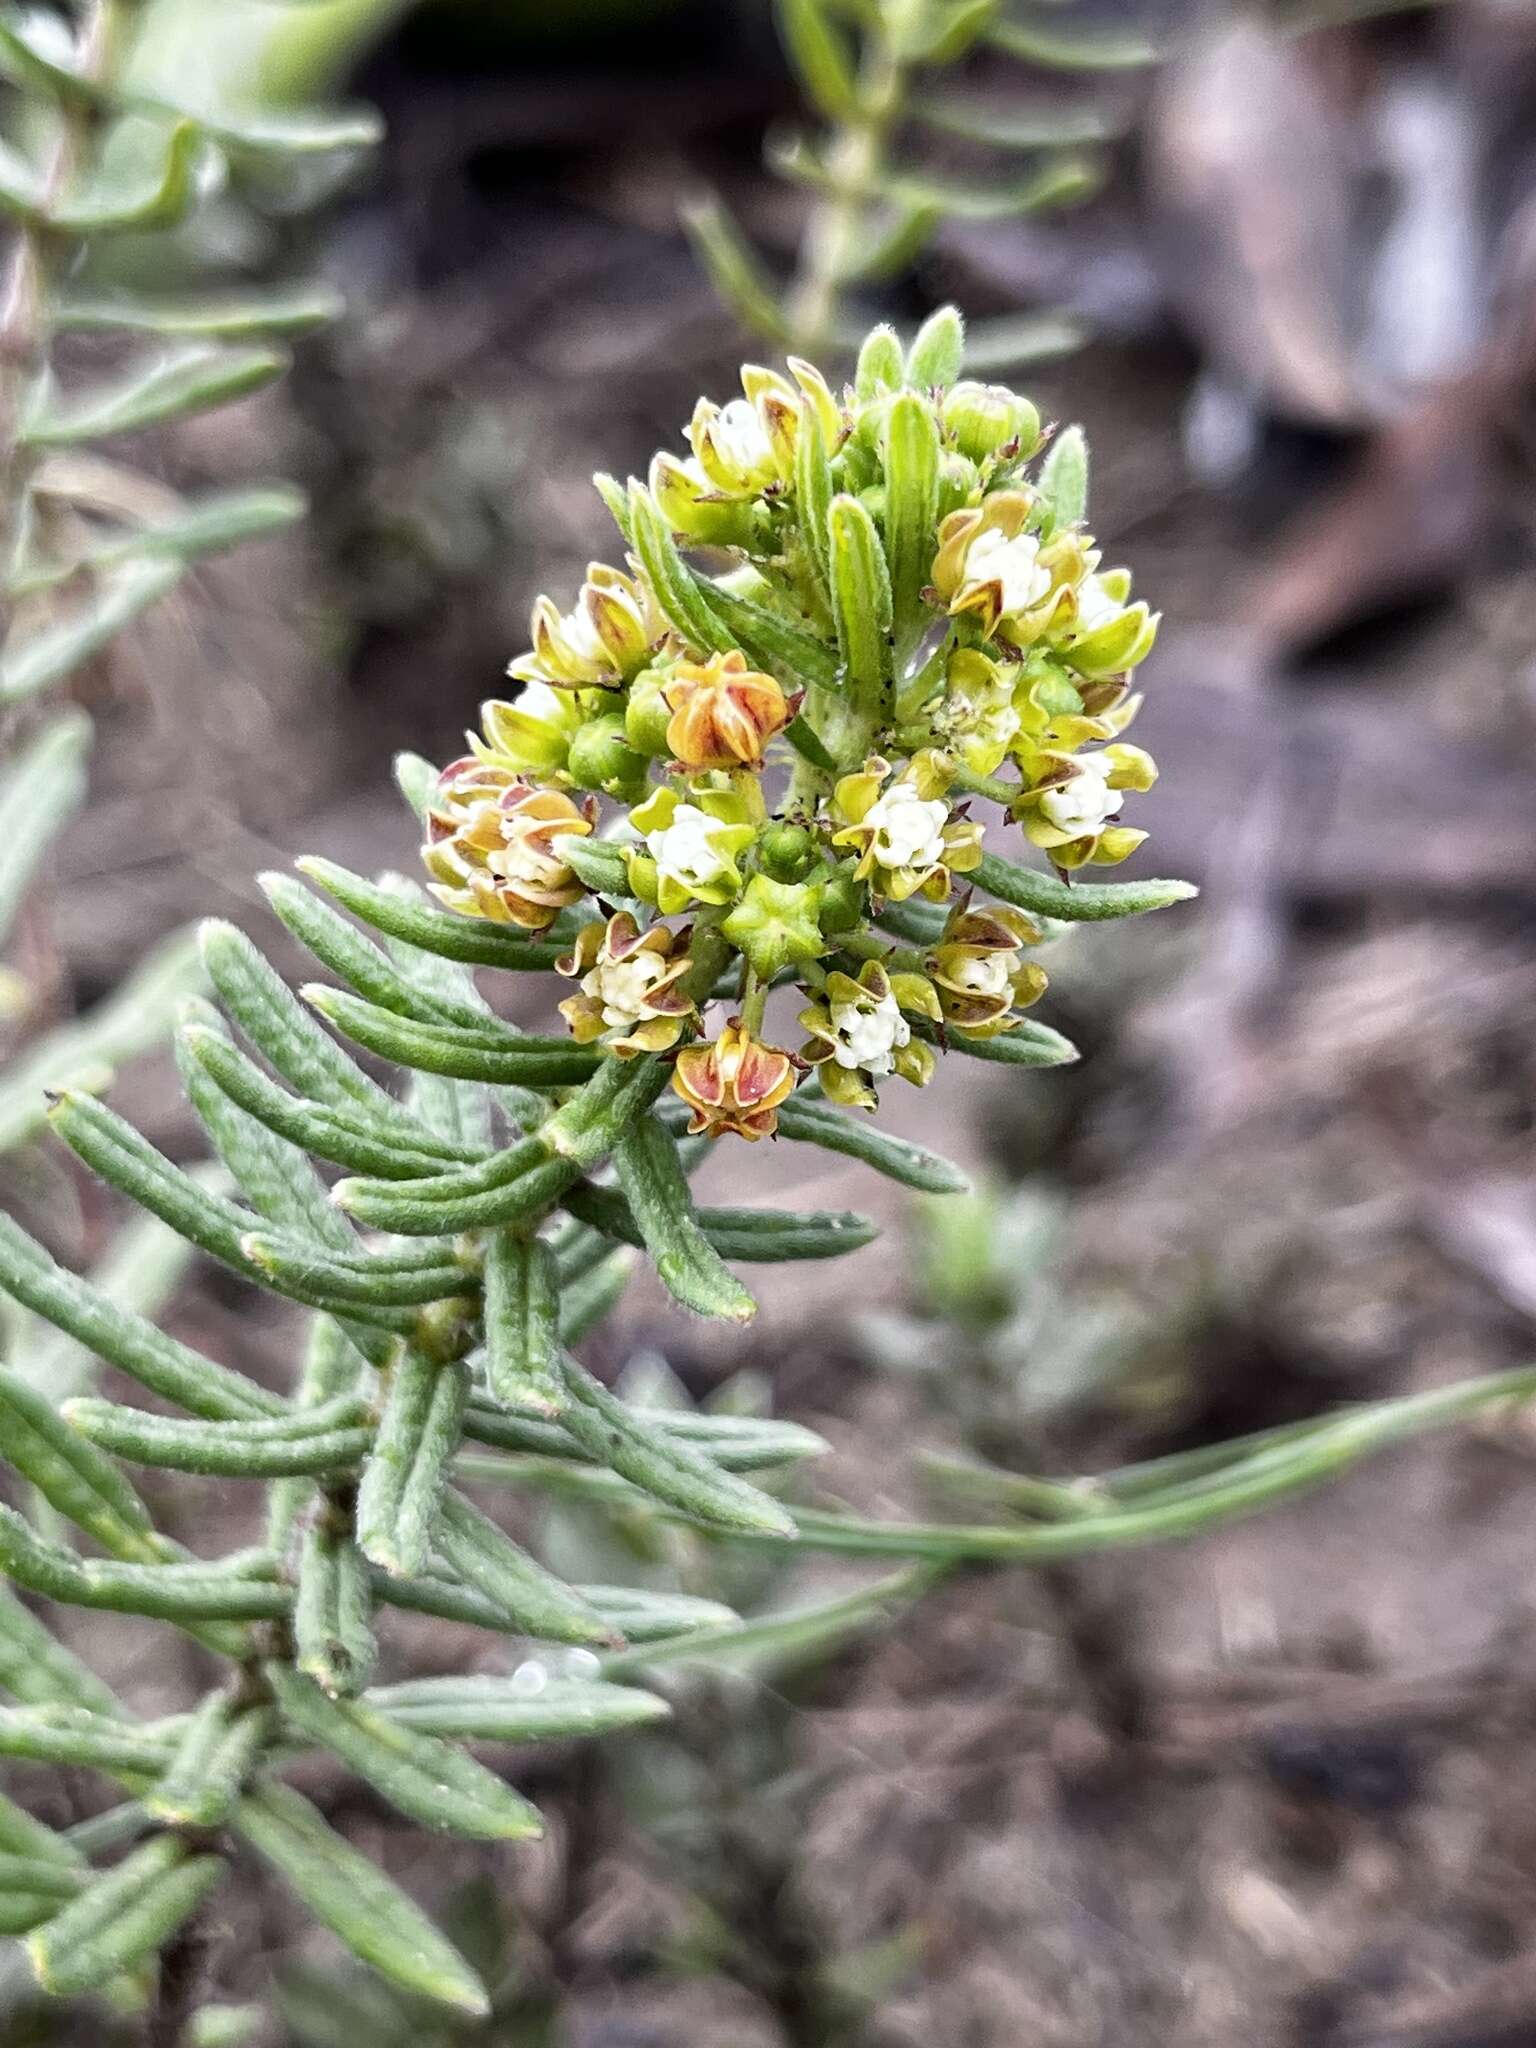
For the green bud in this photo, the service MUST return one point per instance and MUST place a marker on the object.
(842, 902)
(646, 716)
(786, 852)
(601, 758)
(880, 366)
(981, 418)
(775, 925)
(959, 484)
(935, 356)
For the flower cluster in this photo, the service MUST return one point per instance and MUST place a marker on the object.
(798, 752)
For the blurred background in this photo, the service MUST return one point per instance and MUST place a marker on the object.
(1276, 1786)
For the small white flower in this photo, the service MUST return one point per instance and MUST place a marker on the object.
(1014, 565)
(1085, 803)
(868, 1035)
(984, 976)
(1095, 606)
(684, 850)
(908, 829)
(740, 436)
(621, 986)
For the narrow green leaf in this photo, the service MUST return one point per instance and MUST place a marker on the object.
(820, 58)
(656, 1188)
(1063, 481)
(333, 1608)
(156, 192)
(124, 1338)
(365, 967)
(522, 1061)
(598, 863)
(998, 347)
(736, 1443)
(474, 940)
(351, 1896)
(645, 1617)
(229, 316)
(61, 1735)
(37, 1669)
(122, 1918)
(861, 599)
(906, 230)
(76, 1479)
(292, 131)
(775, 1641)
(216, 1753)
(1076, 902)
(795, 657)
(522, 1322)
(813, 492)
(1064, 180)
(1028, 1044)
(484, 1709)
(911, 510)
(944, 37)
(677, 591)
(746, 1236)
(278, 1026)
(585, 1303)
(532, 1600)
(33, 661)
(232, 1450)
(32, 1891)
(732, 267)
(305, 1273)
(1008, 126)
(402, 1483)
(427, 1779)
(229, 1591)
(40, 790)
(182, 381)
(614, 1434)
(356, 1141)
(1038, 40)
(810, 1122)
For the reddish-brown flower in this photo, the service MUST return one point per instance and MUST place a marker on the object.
(493, 845)
(723, 713)
(734, 1084)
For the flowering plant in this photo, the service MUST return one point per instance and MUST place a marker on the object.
(711, 787)
(911, 638)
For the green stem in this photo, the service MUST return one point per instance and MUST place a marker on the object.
(855, 166)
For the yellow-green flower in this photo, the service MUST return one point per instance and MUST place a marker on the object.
(691, 846)
(533, 734)
(1106, 634)
(976, 968)
(991, 565)
(493, 845)
(1070, 812)
(909, 841)
(858, 1034)
(734, 1084)
(631, 995)
(606, 637)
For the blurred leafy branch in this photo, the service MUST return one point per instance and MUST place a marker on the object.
(98, 176)
(875, 71)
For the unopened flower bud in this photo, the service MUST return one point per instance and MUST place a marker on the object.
(646, 716)
(602, 758)
(982, 418)
(774, 924)
(786, 852)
